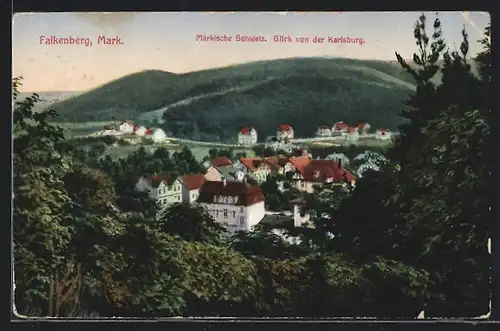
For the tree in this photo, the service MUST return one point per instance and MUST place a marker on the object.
(191, 223)
(41, 227)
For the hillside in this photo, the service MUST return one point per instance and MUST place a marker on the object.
(213, 104)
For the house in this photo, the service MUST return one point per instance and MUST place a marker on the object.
(285, 131)
(383, 134)
(317, 172)
(237, 205)
(213, 174)
(233, 173)
(247, 136)
(295, 163)
(255, 168)
(273, 143)
(158, 135)
(164, 189)
(363, 127)
(351, 136)
(340, 127)
(127, 127)
(191, 185)
(324, 131)
(143, 131)
(221, 161)
(300, 217)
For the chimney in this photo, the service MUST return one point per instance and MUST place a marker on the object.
(224, 182)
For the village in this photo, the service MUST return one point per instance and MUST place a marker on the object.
(229, 189)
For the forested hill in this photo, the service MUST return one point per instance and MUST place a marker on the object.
(305, 92)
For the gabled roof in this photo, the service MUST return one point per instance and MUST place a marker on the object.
(193, 181)
(221, 161)
(155, 181)
(300, 162)
(285, 128)
(320, 171)
(324, 127)
(247, 195)
(252, 163)
(341, 126)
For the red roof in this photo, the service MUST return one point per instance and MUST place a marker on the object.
(341, 126)
(362, 125)
(246, 195)
(148, 132)
(221, 161)
(251, 163)
(277, 162)
(285, 127)
(193, 182)
(245, 130)
(323, 170)
(300, 162)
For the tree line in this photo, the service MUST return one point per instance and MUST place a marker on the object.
(410, 236)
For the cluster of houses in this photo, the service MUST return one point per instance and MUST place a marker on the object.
(130, 128)
(225, 191)
(351, 133)
(247, 136)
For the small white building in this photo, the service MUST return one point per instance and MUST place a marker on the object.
(285, 131)
(158, 135)
(351, 136)
(127, 127)
(236, 205)
(191, 185)
(324, 131)
(247, 136)
(383, 134)
(300, 216)
(143, 131)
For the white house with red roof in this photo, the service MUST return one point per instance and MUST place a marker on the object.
(142, 131)
(383, 134)
(324, 131)
(247, 136)
(191, 185)
(316, 172)
(236, 205)
(363, 127)
(127, 127)
(285, 131)
(351, 136)
(340, 127)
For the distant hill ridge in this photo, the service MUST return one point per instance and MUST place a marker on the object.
(214, 103)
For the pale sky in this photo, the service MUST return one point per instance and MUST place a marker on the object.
(167, 41)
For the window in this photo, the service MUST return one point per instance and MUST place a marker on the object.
(242, 210)
(242, 220)
(234, 214)
(160, 191)
(225, 213)
(178, 197)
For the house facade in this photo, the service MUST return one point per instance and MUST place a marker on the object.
(247, 136)
(383, 134)
(158, 135)
(236, 205)
(351, 136)
(164, 189)
(285, 131)
(191, 185)
(127, 127)
(324, 131)
(213, 174)
(143, 131)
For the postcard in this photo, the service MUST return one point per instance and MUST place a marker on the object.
(252, 164)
